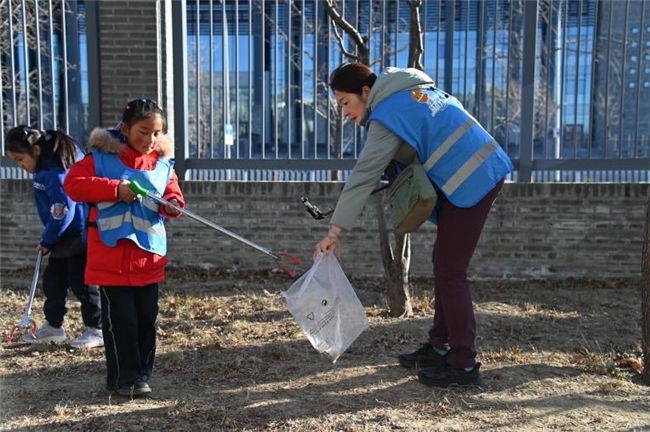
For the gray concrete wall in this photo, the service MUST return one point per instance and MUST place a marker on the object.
(534, 230)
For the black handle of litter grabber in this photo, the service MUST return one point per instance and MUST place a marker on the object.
(315, 212)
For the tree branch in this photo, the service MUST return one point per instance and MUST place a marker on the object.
(360, 41)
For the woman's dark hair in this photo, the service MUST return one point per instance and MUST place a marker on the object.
(52, 143)
(140, 109)
(352, 77)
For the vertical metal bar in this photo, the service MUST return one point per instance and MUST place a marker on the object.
(26, 63)
(263, 71)
(224, 80)
(12, 67)
(198, 80)
(396, 38)
(211, 69)
(384, 31)
(637, 122)
(450, 6)
(528, 91)
(227, 126)
(302, 82)
(438, 42)
(576, 81)
(250, 80)
(73, 74)
(466, 52)
(481, 31)
(592, 86)
(64, 46)
(39, 74)
(52, 65)
(179, 43)
(565, 30)
(276, 75)
(623, 90)
(340, 116)
(495, 24)
(289, 82)
(508, 77)
(607, 71)
(237, 92)
(370, 28)
(356, 130)
(315, 83)
(328, 126)
(2, 86)
(94, 55)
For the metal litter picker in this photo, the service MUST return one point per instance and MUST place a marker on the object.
(27, 319)
(277, 256)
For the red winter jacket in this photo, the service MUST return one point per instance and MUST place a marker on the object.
(125, 264)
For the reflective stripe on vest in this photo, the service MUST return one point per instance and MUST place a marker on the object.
(140, 221)
(458, 154)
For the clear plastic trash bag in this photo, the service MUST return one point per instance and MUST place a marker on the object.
(326, 308)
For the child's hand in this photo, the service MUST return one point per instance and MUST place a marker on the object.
(42, 249)
(124, 192)
(171, 210)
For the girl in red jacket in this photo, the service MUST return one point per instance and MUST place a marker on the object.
(127, 243)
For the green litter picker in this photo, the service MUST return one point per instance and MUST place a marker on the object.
(277, 256)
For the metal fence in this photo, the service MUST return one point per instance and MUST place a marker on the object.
(43, 59)
(563, 85)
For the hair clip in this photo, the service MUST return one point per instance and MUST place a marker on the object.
(33, 135)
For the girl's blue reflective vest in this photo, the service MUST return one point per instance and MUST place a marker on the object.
(141, 220)
(460, 157)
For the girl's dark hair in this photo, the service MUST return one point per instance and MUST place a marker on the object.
(53, 144)
(140, 109)
(352, 77)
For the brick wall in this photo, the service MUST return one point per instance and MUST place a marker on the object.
(129, 55)
(534, 230)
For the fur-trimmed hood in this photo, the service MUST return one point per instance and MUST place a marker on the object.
(112, 141)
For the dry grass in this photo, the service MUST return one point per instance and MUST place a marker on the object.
(556, 355)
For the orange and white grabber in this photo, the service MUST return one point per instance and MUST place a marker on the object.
(27, 319)
(277, 256)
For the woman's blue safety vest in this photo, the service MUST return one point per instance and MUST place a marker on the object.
(141, 220)
(459, 156)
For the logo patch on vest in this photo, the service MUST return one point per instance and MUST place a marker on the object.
(435, 102)
(58, 211)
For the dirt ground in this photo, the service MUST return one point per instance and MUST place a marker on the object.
(556, 355)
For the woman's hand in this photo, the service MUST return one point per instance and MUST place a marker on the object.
(331, 242)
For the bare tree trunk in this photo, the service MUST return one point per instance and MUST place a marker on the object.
(338, 144)
(415, 35)
(645, 303)
(397, 263)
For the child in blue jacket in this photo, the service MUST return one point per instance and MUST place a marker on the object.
(48, 155)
